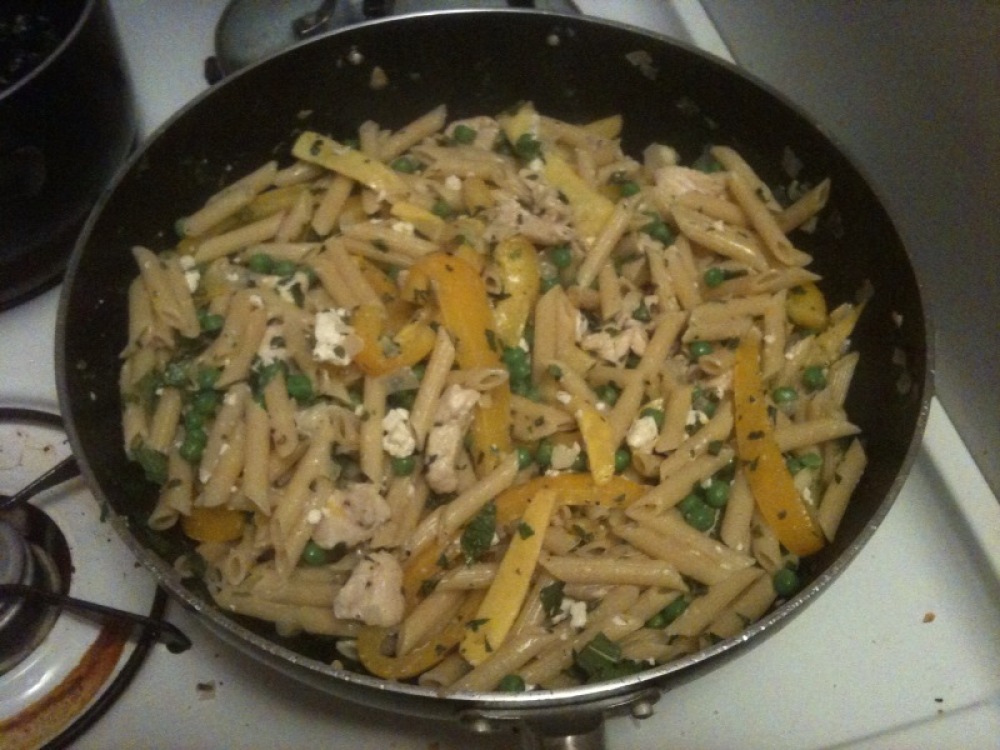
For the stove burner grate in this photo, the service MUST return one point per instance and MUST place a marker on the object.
(36, 576)
(33, 553)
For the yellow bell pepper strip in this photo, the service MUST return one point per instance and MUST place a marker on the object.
(506, 594)
(525, 121)
(398, 311)
(318, 149)
(829, 345)
(430, 225)
(569, 489)
(771, 483)
(599, 440)
(421, 658)
(805, 306)
(606, 127)
(213, 524)
(518, 263)
(466, 312)
(415, 341)
(591, 210)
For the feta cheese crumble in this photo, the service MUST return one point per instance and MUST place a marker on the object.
(642, 434)
(397, 435)
(336, 342)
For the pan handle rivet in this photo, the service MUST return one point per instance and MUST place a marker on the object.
(479, 725)
(642, 709)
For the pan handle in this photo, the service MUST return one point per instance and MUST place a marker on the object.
(570, 727)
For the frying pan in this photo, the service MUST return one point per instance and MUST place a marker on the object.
(477, 62)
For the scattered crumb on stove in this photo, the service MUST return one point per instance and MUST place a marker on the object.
(206, 690)
(929, 617)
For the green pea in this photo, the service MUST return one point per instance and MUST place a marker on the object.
(403, 466)
(699, 515)
(699, 349)
(405, 164)
(284, 268)
(629, 188)
(543, 454)
(657, 415)
(442, 208)
(299, 387)
(463, 134)
(689, 501)
(717, 494)
(784, 395)
(313, 554)
(211, 322)
(205, 402)
(658, 230)
(814, 378)
(713, 277)
(548, 282)
(785, 582)
(623, 459)
(524, 457)
(511, 683)
(518, 363)
(561, 256)
(175, 374)
(580, 462)
(193, 445)
(261, 263)
(206, 377)
(526, 389)
(703, 401)
(608, 393)
(528, 147)
(657, 621)
(194, 420)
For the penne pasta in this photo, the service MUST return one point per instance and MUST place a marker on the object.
(477, 398)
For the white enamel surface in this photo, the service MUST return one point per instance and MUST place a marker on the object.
(103, 569)
(859, 669)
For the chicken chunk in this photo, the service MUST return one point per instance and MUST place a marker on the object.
(374, 592)
(351, 516)
(444, 441)
(674, 181)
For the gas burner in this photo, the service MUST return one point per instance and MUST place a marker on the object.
(69, 645)
(250, 30)
(34, 553)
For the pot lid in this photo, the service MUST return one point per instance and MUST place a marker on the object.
(250, 30)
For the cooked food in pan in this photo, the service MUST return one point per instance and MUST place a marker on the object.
(492, 402)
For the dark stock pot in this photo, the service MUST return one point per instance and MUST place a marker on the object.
(66, 125)
(477, 62)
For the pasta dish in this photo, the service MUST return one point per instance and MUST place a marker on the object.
(492, 403)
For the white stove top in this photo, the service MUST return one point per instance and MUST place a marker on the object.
(903, 650)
